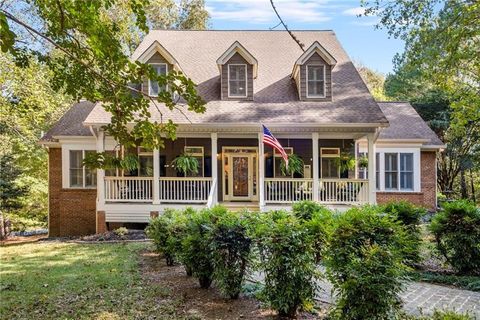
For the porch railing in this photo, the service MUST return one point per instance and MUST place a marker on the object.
(279, 190)
(343, 191)
(185, 189)
(128, 189)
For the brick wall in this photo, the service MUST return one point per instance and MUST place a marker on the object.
(71, 211)
(427, 195)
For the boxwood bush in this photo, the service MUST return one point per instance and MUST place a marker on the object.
(287, 258)
(457, 234)
(231, 247)
(304, 210)
(159, 230)
(365, 264)
(410, 217)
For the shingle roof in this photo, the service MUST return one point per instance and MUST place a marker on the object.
(275, 94)
(406, 123)
(71, 123)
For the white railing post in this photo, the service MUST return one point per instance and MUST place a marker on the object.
(261, 171)
(214, 138)
(316, 171)
(156, 177)
(372, 191)
(100, 172)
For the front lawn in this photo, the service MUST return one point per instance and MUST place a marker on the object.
(73, 281)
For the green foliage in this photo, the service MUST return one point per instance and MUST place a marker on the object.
(295, 165)
(197, 249)
(159, 231)
(10, 192)
(304, 210)
(121, 232)
(365, 264)
(345, 162)
(320, 227)
(231, 246)
(471, 283)
(410, 217)
(457, 234)
(374, 81)
(288, 261)
(443, 315)
(363, 162)
(186, 164)
(88, 60)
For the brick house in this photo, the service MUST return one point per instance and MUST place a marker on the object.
(313, 101)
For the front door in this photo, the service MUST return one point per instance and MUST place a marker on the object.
(240, 174)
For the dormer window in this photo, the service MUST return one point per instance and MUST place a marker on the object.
(315, 81)
(153, 88)
(237, 80)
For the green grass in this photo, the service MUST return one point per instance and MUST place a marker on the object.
(73, 281)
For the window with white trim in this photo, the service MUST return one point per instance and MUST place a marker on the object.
(377, 171)
(329, 162)
(145, 162)
(79, 175)
(198, 153)
(315, 81)
(406, 171)
(277, 162)
(153, 88)
(391, 171)
(237, 80)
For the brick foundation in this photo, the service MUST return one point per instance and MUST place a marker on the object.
(72, 212)
(101, 223)
(427, 198)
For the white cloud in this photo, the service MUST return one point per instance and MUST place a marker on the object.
(354, 11)
(260, 11)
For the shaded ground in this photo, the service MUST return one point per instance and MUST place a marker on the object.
(115, 236)
(191, 300)
(14, 240)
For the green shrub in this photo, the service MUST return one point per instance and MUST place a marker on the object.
(230, 246)
(365, 264)
(288, 262)
(304, 210)
(158, 231)
(197, 247)
(121, 232)
(457, 234)
(441, 315)
(410, 217)
(320, 228)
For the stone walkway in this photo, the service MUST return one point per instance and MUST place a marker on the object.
(421, 297)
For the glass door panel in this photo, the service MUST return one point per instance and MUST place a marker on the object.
(240, 176)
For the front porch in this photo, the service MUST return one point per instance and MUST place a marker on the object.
(237, 169)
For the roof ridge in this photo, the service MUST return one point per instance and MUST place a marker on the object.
(396, 101)
(247, 30)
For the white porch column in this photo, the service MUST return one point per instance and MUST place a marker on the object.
(316, 171)
(214, 139)
(372, 177)
(156, 176)
(100, 172)
(261, 171)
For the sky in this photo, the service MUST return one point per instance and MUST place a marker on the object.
(363, 43)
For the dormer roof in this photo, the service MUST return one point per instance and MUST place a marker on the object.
(156, 47)
(316, 47)
(237, 47)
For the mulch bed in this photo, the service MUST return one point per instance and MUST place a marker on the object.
(190, 300)
(111, 236)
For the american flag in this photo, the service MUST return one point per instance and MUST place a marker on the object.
(269, 139)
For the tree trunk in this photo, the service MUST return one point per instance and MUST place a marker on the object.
(463, 185)
(472, 184)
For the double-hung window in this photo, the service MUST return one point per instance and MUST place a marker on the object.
(237, 80)
(145, 162)
(406, 171)
(80, 176)
(198, 153)
(391, 171)
(315, 81)
(153, 87)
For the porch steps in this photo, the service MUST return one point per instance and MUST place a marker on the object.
(240, 206)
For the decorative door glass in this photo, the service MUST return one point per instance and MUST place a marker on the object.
(240, 176)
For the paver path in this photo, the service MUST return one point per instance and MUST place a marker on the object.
(425, 297)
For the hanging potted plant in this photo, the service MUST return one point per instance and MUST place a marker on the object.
(345, 162)
(108, 161)
(186, 164)
(295, 166)
(363, 162)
